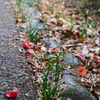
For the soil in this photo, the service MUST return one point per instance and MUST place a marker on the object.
(14, 71)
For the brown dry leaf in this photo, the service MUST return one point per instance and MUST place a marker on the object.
(95, 57)
(38, 98)
(38, 52)
(68, 99)
(30, 62)
(74, 16)
(59, 22)
(83, 73)
(25, 10)
(69, 11)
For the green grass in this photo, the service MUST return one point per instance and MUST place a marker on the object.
(19, 2)
(88, 25)
(33, 33)
(22, 16)
(53, 67)
(31, 3)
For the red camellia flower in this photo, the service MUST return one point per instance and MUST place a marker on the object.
(25, 44)
(13, 93)
(30, 51)
(80, 69)
(81, 55)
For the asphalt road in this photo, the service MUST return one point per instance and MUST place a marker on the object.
(14, 71)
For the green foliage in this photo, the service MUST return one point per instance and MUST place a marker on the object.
(83, 34)
(23, 16)
(35, 30)
(87, 25)
(33, 33)
(49, 89)
(58, 15)
(19, 2)
(32, 2)
(90, 0)
(61, 99)
(91, 24)
(94, 0)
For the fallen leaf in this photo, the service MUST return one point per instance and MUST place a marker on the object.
(53, 49)
(83, 73)
(95, 57)
(36, 47)
(25, 10)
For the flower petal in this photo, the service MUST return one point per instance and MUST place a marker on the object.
(80, 69)
(30, 51)
(81, 55)
(50, 50)
(26, 45)
(13, 93)
(35, 70)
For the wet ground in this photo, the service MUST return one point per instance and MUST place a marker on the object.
(14, 71)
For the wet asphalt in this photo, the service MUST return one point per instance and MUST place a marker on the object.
(14, 71)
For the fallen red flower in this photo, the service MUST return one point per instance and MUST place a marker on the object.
(13, 93)
(25, 44)
(80, 69)
(81, 55)
(30, 51)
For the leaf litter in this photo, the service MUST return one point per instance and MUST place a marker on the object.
(75, 32)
